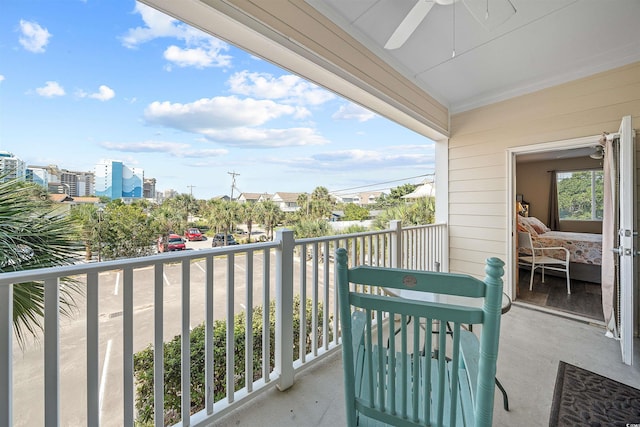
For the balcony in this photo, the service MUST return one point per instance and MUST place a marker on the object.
(81, 371)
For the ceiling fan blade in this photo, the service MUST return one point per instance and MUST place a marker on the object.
(490, 13)
(409, 24)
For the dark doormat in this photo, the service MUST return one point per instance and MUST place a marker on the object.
(584, 398)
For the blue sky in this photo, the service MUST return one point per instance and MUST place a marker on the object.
(87, 80)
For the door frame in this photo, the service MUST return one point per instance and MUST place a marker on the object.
(511, 154)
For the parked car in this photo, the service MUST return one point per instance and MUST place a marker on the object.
(193, 234)
(218, 240)
(174, 243)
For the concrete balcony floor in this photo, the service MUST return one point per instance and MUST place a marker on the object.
(531, 345)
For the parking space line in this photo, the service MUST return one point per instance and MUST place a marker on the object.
(103, 378)
(200, 267)
(164, 275)
(115, 289)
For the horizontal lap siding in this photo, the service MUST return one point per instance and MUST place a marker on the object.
(477, 152)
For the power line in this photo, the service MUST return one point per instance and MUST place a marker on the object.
(381, 183)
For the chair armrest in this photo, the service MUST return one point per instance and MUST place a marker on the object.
(470, 352)
(558, 248)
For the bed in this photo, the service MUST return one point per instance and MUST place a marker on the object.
(585, 248)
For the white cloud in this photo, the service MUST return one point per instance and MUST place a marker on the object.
(207, 55)
(34, 38)
(104, 93)
(353, 111)
(288, 88)
(266, 138)
(233, 121)
(174, 148)
(200, 50)
(217, 112)
(50, 90)
(1, 78)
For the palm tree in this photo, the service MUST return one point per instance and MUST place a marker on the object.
(321, 203)
(248, 214)
(87, 219)
(33, 236)
(269, 214)
(225, 214)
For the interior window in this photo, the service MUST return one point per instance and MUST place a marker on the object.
(580, 195)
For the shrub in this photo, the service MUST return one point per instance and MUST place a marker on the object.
(143, 361)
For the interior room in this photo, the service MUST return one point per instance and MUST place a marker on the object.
(534, 172)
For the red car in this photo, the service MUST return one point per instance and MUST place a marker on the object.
(174, 243)
(193, 234)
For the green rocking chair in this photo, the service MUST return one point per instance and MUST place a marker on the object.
(410, 362)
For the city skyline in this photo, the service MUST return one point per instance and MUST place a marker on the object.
(82, 81)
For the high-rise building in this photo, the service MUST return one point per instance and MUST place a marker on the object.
(38, 176)
(149, 188)
(115, 180)
(11, 167)
(62, 181)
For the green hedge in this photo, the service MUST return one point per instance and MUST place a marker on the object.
(143, 361)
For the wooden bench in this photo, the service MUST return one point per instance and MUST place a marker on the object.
(414, 373)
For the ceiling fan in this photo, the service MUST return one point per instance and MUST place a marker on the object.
(490, 13)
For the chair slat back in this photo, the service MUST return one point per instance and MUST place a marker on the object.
(400, 367)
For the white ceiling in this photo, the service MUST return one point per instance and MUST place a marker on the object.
(545, 43)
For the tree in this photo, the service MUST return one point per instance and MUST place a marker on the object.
(32, 236)
(248, 214)
(269, 215)
(353, 212)
(224, 215)
(126, 231)
(395, 196)
(165, 220)
(311, 228)
(321, 203)
(418, 213)
(87, 220)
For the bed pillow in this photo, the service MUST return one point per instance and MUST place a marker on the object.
(537, 225)
(523, 225)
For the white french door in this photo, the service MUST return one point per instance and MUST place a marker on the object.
(626, 249)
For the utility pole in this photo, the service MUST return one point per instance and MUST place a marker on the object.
(190, 187)
(233, 181)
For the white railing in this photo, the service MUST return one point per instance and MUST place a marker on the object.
(129, 304)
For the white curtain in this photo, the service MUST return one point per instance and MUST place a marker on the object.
(609, 238)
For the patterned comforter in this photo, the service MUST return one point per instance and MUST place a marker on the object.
(585, 248)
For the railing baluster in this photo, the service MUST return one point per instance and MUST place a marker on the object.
(127, 347)
(185, 347)
(6, 354)
(230, 375)
(303, 298)
(93, 374)
(266, 321)
(208, 336)
(325, 299)
(314, 301)
(51, 352)
(248, 331)
(158, 345)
